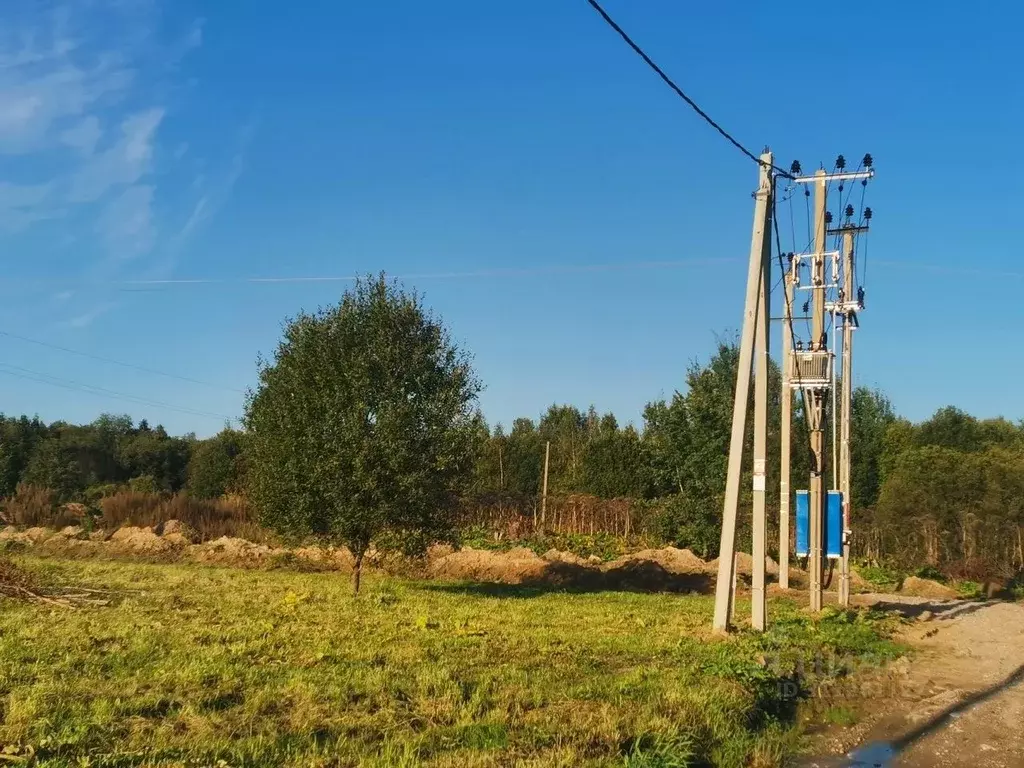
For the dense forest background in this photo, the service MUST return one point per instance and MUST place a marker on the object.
(947, 492)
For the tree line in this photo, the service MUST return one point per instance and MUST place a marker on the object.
(364, 428)
(84, 462)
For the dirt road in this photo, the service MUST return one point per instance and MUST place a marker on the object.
(961, 702)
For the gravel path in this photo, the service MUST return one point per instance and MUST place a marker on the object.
(961, 702)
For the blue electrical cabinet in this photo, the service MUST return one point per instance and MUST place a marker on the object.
(803, 524)
(834, 524)
(833, 534)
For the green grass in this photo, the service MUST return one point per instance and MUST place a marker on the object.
(841, 715)
(880, 577)
(606, 546)
(194, 665)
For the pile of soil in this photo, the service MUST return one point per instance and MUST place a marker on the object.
(331, 558)
(668, 569)
(141, 541)
(517, 566)
(228, 550)
(29, 536)
(673, 560)
(179, 533)
(912, 585)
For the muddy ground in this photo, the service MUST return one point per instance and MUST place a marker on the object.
(957, 702)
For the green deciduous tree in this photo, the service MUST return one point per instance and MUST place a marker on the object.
(216, 465)
(872, 416)
(363, 425)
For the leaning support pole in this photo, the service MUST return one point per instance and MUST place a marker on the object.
(760, 245)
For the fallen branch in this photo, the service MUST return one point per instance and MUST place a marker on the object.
(28, 594)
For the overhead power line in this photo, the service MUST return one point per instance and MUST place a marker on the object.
(679, 91)
(118, 362)
(77, 386)
(143, 283)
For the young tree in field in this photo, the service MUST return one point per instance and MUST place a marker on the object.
(363, 426)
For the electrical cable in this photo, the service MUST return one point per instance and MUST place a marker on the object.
(679, 91)
(860, 222)
(118, 362)
(76, 386)
(155, 283)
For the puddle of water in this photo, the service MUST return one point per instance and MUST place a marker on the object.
(878, 754)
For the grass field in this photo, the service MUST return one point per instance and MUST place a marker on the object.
(214, 666)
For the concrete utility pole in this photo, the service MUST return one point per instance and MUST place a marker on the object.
(762, 350)
(756, 304)
(846, 406)
(816, 398)
(849, 305)
(786, 425)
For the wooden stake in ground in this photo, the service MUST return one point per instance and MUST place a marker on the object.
(544, 494)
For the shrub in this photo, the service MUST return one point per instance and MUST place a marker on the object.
(94, 493)
(143, 484)
(930, 572)
(211, 518)
(687, 522)
(31, 505)
(129, 508)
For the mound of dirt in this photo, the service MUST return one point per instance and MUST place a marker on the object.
(912, 585)
(557, 556)
(72, 546)
(228, 550)
(140, 541)
(673, 560)
(179, 532)
(30, 536)
(335, 559)
(640, 574)
(10, 533)
(71, 532)
(517, 566)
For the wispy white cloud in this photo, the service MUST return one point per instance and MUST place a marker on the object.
(83, 135)
(83, 101)
(123, 163)
(38, 97)
(214, 196)
(24, 204)
(86, 318)
(126, 224)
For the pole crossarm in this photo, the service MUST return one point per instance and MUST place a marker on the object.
(829, 177)
(855, 229)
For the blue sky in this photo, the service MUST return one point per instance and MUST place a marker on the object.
(606, 225)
